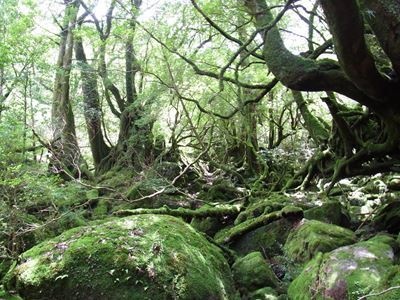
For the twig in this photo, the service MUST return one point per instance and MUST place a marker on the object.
(380, 293)
(174, 180)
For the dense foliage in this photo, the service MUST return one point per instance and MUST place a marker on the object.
(212, 111)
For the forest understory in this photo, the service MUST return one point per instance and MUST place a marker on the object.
(200, 149)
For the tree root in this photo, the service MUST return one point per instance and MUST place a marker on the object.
(203, 212)
(289, 212)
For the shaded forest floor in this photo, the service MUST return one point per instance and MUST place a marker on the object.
(262, 244)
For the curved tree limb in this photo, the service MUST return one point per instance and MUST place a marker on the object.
(300, 73)
(347, 28)
(384, 19)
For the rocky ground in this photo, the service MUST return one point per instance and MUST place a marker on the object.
(298, 245)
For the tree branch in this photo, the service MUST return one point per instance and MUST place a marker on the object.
(300, 73)
(347, 28)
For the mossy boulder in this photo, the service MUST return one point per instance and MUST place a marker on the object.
(208, 225)
(269, 238)
(329, 212)
(137, 257)
(221, 190)
(311, 237)
(349, 272)
(253, 272)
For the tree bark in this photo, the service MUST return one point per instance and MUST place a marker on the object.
(91, 106)
(317, 131)
(66, 155)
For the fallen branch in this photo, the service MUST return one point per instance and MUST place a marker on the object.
(380, 293)
(218, 211)
(288, 212)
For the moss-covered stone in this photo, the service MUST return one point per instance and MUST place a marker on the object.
(269, 238)
(313, 236)
(137, 257)
(329, 212)
(232, 234)
(221, 191)
(252, 272)
(208, 225)
(301, 288)
(390, 287)
(349, 272)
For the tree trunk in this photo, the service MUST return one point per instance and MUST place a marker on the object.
(317, 131)
(91, 106)
(66, 156)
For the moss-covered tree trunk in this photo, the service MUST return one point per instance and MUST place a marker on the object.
(374, 145)
(91, 106)
(65, 153)
(134, 148)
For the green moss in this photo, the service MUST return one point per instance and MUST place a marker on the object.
(258, 207)
(329, 212)
(292, 212)
(314, 236)
(138, 257)
(4, 266)
(208, 225)
(253, 272)
(6, 296)
(228, 235)
(302, 287)
(101, 208)
(387, 218)
(391, 280)
(268, 238)
(348, 272)
(221, 191)
(92, 194)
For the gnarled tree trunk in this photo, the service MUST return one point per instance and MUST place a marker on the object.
(354, 75)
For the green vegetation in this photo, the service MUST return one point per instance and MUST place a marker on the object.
(150, 257)
(312, 236)
(202, 149)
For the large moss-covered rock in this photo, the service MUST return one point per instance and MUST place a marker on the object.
(252, 272)
(311, 237)
(138, 257)
(329, 212)
(349, 272)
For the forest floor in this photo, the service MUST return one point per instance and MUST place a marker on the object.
(146, 238)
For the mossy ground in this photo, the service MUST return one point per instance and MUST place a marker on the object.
(138, 257)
